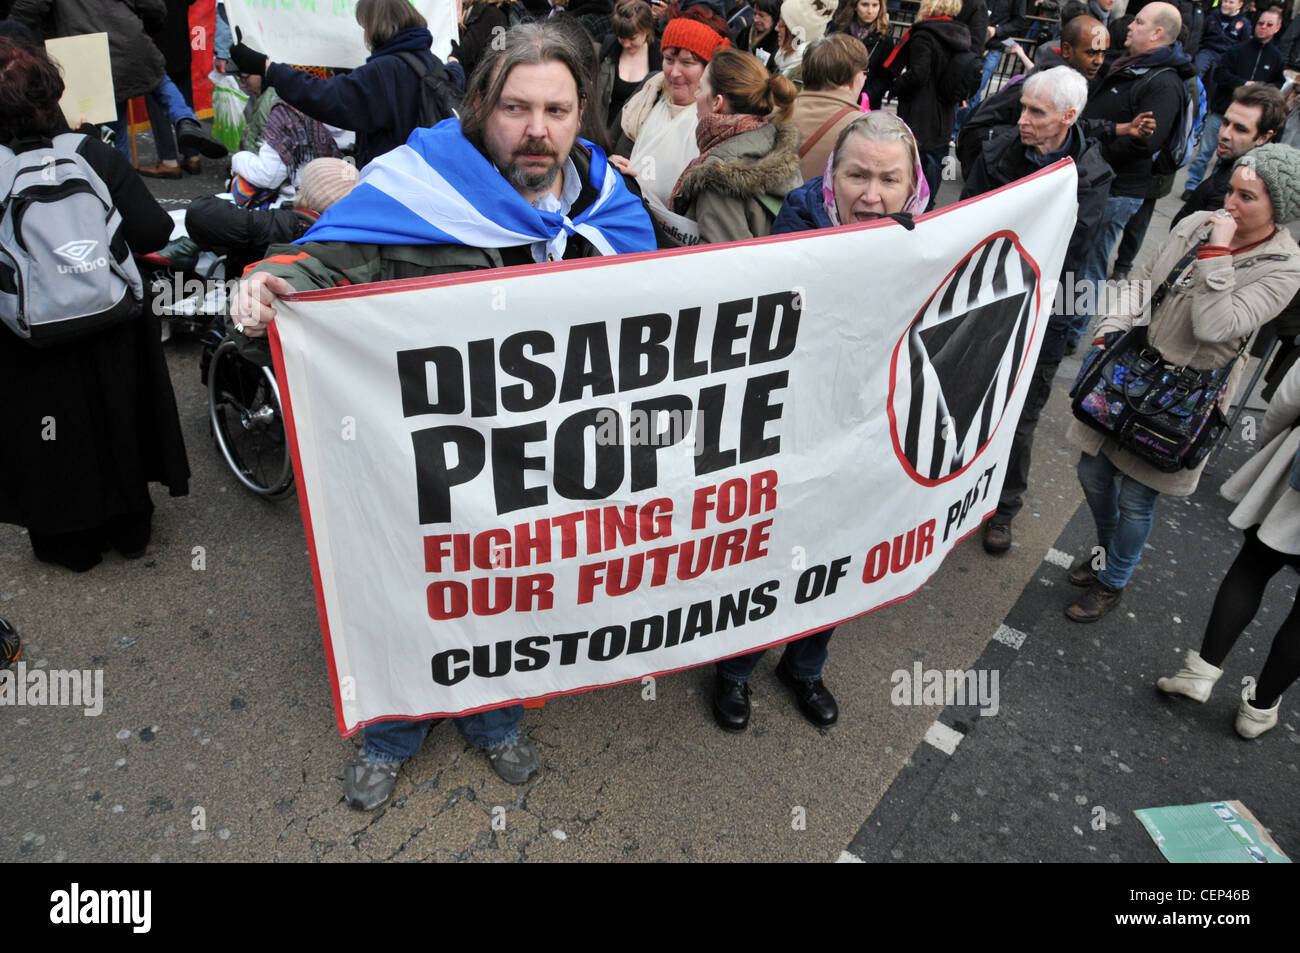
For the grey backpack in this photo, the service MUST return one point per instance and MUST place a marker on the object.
(65, 268)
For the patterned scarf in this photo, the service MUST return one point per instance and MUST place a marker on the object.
(296, 139)
(712, 131)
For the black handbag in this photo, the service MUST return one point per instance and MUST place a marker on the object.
(1165, 414)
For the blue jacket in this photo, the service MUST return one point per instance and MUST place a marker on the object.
(803, 209)
(379, 100)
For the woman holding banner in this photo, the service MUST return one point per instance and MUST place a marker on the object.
(873, 171)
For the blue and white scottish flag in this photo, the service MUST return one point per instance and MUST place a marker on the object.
(438, 189)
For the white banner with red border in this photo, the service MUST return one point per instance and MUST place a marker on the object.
(532, 481)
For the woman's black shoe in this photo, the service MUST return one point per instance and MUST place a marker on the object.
(731, 704)
(816, 703)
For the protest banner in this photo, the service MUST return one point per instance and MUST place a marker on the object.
(324, 32)
(532, 481)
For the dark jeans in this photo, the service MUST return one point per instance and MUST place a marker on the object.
(1017, 481)
(932, 166)
(804, 658)
(1135, 231)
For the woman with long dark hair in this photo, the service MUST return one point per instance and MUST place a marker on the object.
(628, 58)
(867, 21)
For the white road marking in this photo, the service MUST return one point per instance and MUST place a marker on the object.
(944, 738)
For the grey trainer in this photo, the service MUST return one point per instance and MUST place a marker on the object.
(515, 760)
(370, 782)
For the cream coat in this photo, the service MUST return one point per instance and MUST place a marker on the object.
(1261, 488)
(1201, 323)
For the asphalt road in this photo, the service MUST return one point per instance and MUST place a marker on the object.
(217, 738)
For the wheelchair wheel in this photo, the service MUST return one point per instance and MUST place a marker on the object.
(247, 424)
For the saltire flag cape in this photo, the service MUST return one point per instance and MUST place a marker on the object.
(438, 189)
(530, 481)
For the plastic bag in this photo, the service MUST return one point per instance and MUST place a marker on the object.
(228, 102)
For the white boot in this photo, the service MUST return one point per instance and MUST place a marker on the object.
(1253, 722)
(1195, 679)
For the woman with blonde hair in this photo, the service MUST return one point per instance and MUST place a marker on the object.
(747, 162)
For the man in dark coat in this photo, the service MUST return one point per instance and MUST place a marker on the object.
(1255, 114)
(1149, 79)
(1044, 134)
(1083, 48)
(1257, 60)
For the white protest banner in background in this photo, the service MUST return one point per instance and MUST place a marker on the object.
(324, 32)
(537, 480)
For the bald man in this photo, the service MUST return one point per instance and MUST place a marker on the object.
(1149, 78)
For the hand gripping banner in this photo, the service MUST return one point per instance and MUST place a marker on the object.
(532, 481)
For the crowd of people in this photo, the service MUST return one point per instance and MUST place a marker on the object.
(655, 125)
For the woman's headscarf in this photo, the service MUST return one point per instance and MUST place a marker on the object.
(916, 201)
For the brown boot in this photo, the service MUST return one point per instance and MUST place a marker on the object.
(161, 171)
(1096, 602)
(997, 538)
(1082, 573)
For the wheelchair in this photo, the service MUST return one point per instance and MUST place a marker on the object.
(245, 413)
(244, 410)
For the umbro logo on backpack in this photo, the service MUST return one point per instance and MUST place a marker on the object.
(65, 269)
(78, 252)
(77, 249)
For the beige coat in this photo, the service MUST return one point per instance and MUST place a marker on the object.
(811, 111)
(1262, 488)
(1201, 323)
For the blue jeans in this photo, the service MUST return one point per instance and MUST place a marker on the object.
(1119, 209)
(804, 658)
(991, 61)
(1207, 151)
(399, 740)
(1123, 510)
(173, 105)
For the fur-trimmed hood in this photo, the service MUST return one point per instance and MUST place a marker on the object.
(761, 162)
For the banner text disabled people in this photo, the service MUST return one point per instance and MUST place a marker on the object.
(579, 475)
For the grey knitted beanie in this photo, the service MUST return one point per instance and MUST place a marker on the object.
(1278, 166)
